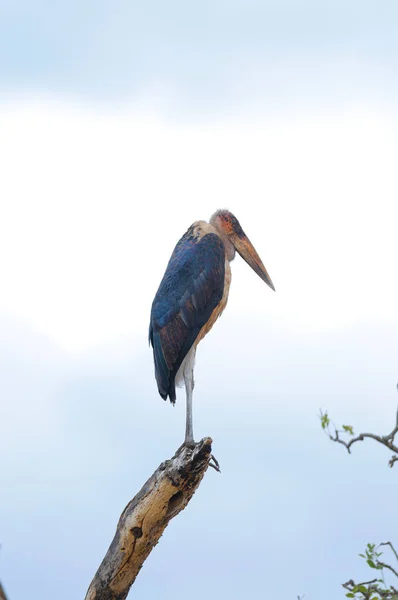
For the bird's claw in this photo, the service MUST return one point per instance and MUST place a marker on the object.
(213, 462)
(214, 465)
(185, 444)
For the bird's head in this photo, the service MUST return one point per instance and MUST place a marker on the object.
(231, 231)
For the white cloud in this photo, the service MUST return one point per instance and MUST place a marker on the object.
(93, 204)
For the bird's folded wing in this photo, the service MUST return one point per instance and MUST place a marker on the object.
(190, 290)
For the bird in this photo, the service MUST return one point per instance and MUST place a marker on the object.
(191, 296)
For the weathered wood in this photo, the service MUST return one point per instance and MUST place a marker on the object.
(2, 593)
(146, 516)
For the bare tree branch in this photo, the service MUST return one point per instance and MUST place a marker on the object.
(385, 566)
(141, 524)
(386, 440)
(392, 461)
(350, 584)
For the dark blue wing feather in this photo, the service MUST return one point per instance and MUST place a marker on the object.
(190, 290)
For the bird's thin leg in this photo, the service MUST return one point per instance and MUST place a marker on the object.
(189, 385)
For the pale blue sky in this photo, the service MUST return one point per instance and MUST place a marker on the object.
(121, 123)
(209, 56)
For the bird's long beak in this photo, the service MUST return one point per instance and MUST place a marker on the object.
(247, 251)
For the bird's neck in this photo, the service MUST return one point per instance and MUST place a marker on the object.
(229, 247)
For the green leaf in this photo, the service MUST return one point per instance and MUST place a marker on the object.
(363, 556)
(371, 563)
(362, 589)
(325, 421)
(350, 595)
(348, 429)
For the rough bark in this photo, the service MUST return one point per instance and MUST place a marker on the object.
(141, 524)
(2, 593)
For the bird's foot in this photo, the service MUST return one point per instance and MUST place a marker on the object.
(190, 443)
(187, 444)
(214, 464)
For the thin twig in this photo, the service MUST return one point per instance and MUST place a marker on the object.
(385, 566)
(392, 461)
(348, 585)
(391, 546)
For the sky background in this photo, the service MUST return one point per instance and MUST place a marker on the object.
(121, 123)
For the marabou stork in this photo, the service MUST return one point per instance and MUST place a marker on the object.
(192, 295)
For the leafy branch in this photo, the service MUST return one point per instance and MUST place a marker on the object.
(335, 434)
(375, 589)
